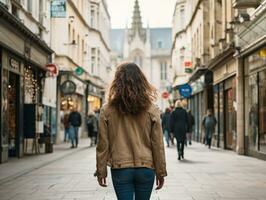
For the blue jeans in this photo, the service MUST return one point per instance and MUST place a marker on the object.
(74, 136)
(133, 182)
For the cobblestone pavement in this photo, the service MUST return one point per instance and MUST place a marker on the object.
(203, 175)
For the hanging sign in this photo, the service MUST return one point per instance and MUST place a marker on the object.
(52, 69)
(79, 71)
(68, 87)
(185, 90)
(58, 8)
(188, 66)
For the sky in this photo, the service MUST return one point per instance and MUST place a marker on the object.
(157, 12)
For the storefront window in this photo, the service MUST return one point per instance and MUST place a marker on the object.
(252, 112)
(262, 111)
(31, 86)
(94, 103)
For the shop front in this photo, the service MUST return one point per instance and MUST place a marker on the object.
(225, 135)
(23, 57)
(255, 103)
(72, 96)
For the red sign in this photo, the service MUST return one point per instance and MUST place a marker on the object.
(52, 69)
(165, 95)
(188, 64)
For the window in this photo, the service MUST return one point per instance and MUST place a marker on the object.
(92, 17)
(163, 69)
(98, 61)
(93, 59)
(182, 16)
(160, 44)
(29, 6)
(14, 10)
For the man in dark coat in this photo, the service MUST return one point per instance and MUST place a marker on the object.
(75, 121)
(179, 126)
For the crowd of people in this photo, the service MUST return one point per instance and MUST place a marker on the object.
(73, 121)
(179, 124)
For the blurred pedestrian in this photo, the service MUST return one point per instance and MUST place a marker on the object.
(179, 126)
(191, 122)
(130, 136)
(165, 125)
(66, 127)
(92, 127)
(74, 122)
(208, 123)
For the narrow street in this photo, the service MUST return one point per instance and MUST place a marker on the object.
(204, 175)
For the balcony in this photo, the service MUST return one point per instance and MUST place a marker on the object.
(240, 4)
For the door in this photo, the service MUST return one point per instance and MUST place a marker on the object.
(13, 115)
(229, 120)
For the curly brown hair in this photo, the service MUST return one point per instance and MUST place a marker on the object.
(130, 92)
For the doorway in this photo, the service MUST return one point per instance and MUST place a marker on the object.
(13, 114)
(230, 120)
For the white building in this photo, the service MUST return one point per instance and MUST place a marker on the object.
(80, 38)
(147, 47)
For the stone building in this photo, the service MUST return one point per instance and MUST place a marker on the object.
(147, 47)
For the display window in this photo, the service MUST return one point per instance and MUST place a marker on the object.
(262, 111)
(94, 103)
(255, 102)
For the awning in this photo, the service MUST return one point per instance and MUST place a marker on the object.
(180, 80)
(198, 72)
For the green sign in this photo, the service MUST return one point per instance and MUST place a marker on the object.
(58, 8)
(79, 71)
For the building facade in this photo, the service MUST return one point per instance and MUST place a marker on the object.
(228, 59)
(80, 38)
(147, 47)
(251, 70)
(24, 54)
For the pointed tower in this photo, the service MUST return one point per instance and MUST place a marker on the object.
(136, 25)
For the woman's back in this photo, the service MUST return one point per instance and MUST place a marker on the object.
(132, 138)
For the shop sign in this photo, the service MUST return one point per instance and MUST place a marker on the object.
(79, 71)
(165, 95)
(14, 64)
(185, 90)
(188, 67)
(68, 87)
(58, 8)
(52, 69)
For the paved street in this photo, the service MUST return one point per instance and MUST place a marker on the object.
(204, 175)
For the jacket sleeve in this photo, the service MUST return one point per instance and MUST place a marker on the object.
(102, 149)
(158, 146)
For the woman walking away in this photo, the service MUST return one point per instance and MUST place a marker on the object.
(191, 122)
(179, 126)
(165, 125)
(130, 136)
(209, 123)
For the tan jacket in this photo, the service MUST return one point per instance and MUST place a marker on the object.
(130, 141)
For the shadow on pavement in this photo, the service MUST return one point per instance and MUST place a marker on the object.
(185, 161)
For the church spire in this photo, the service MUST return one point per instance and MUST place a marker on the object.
(136, 20)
